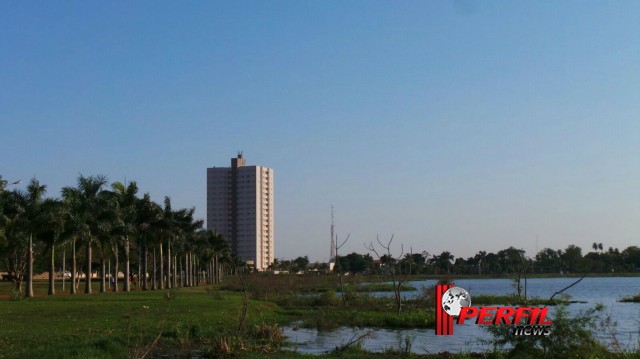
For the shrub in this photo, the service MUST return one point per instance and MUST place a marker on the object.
(170, 295)
(569, 336)
(16, 296)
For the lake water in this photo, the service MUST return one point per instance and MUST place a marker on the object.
(467, 337)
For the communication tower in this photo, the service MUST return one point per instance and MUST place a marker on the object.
(332, 255)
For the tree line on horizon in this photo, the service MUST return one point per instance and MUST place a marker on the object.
(504, 262)
(94, 223)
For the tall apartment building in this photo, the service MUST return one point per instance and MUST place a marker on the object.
(240, 207)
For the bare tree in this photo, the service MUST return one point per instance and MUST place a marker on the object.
(394, 269)
(344, 296)
(245, 297)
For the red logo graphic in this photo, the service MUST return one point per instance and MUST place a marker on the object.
(444, 322)
(451, 302)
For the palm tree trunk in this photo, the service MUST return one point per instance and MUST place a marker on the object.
(175, 272)
(191, 272)
(144, 271)
(140, 252)
(169, 264)
(73, 266)
(215, 269)
(52, 274)
(181, 274)
(127, 283)
(104, 275)
(64, 263)
(196, 274)
(87, 281)
(161, 272)
(192, 265)
(186, 270)
(30, 267)
(115, 283)
(154, 283)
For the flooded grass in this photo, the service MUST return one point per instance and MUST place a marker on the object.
(631, 299)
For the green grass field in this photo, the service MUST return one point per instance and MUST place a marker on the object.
(121, 325)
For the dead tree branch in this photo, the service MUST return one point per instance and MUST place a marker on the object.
(342, 292)
(354, 339)
(393, 267)
(562, 290)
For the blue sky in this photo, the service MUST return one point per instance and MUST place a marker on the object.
(455, 125)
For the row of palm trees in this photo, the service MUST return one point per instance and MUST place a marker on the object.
(109, 223)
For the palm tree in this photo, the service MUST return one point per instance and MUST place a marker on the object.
(149, 213)
(189, 229)
(443, 261)
(126, 197)
(30, 218)
(88, 203)
(166, 229)
(183, 230)
(53, 222)
(214, 247)
(72, 228)
(14, 246)
(104, 232)
(171, 221)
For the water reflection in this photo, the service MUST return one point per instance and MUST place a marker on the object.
(424, 341)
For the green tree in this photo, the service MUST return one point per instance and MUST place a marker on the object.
(106, 234)
(213, 247)
(548, 260)
(301, 263)
(631, 256)
(571, 258)
(356, 262)
(87, 202)
(30, 216)
(13, 245)
(443, 261)
(126, 198)
(53, 224)
(149, 214)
